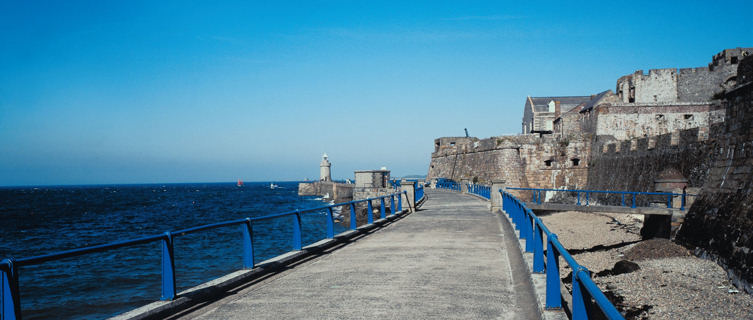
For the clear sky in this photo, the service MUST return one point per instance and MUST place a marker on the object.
(98, 92)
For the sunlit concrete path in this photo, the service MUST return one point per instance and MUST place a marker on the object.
(449, 260)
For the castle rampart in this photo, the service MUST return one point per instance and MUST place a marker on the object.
(683, 85)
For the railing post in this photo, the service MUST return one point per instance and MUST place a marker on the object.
(541, 200)
(382, 211)
(530, 222)
(538, 248)
(410, 192)
(415, 193)
(623, 199)
(370, 213)
(392, 204)
(330, 224)
(634, 196)
(297, 243)
(553, 295)
(497, 200)
(578, 194)
(400, 202)
(248, 244)
(682, 201)
(587, 198)
(11, 299)
(168, 268)
(579, 300)
(353, 222)
(669, 201)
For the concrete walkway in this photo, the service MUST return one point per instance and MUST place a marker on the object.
(449, 260)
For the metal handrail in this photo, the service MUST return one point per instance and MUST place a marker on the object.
(448, 184)
(537, 198)
(10, 297)
(532, 229)
(479, 189)
(419, 191)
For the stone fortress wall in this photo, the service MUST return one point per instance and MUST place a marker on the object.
(719, 224)
(698, 129)
(683, 85)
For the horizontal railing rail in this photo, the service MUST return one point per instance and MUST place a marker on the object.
(448, 184)
(532, 229)
(419, 187)
(537, 197)
(479, 190)
(9, 293)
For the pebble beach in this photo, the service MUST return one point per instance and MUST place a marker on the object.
(670, 283)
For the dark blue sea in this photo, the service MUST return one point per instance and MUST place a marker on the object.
(41, 220)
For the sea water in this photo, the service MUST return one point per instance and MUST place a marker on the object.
(42, 220)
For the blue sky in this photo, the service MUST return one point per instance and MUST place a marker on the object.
(154, 91)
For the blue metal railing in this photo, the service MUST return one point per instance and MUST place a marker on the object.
(480, 190)
(419, 191)
(536, 196)
(9, 293)
(448, 184)
(532, 230)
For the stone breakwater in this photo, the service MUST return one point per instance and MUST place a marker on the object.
(646, 279)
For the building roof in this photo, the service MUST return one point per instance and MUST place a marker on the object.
(595, 100)
(541, 104)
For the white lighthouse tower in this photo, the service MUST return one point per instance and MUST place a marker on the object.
(325, 174)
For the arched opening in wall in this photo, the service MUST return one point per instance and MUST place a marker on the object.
(733, 60)
(548, 163)
(575, 161)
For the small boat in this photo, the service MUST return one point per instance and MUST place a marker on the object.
(273, 186)
(239, 184)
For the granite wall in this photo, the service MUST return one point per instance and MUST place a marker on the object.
(719, 224)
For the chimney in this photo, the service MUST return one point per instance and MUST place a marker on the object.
(557, 110)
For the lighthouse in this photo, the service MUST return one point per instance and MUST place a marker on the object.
(324, 169)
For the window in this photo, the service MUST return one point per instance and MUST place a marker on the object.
(688, 117)
(548, 163)
(733, 60)
(575, 161)
(659, 116)
(452, 144)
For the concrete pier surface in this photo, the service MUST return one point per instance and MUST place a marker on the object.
(450, 260)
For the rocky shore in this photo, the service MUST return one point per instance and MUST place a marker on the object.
(650, 279)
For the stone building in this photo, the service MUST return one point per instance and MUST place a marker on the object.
(662, 128)
(684, 85)
(568, 122)
(372, 178)
(539, 112)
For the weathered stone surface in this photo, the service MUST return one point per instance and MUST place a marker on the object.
(720, 222)
(706, 144)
